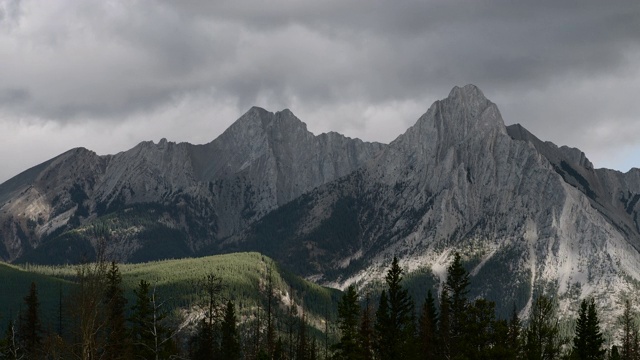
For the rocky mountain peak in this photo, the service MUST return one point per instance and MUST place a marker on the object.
(287, 118)
(259, 118)
(467, 91)
(467, 110)
(463, 118)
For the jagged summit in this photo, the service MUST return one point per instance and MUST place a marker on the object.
(468, 91)
(468, 104)
(259, 117)
(462, 119)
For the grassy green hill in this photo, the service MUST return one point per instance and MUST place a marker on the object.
(244, 276)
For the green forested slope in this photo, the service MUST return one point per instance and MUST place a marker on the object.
(176, 282)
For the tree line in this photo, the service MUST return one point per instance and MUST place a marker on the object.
(456, 327)
(96, 321)
(100, 324)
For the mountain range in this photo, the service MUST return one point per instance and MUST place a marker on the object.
(528, 216)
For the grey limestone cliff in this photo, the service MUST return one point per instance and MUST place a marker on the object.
(521, 211)
(207, 192)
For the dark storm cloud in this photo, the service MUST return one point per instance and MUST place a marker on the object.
(415, 49)
(498, 42)
(280, 49)
(102, 59)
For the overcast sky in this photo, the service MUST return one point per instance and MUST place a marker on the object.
(107, 74)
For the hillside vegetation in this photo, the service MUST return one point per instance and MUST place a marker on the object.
(177, 282)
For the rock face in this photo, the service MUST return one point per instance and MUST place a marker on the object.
(265, 160)
(193, 194)
(527, 216)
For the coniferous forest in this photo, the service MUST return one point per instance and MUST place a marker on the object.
(96, 319)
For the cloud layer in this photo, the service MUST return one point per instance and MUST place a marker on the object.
(108, 74)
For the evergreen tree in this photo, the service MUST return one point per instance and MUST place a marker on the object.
(302, 350)
(117, 345)
(398, 328)
(479, 339)
(501, 347)
(629, 333)
(230, 339)
(444, 326)
(348, 316)
(457, 286)
(151, 340)
(141, 321)
(365, 333)
(588, 341)
(30, 330)
(579, 350)
(596, 339)
(427, 329)
(202, 344)
(382, 326)
(514, 340)
(542, 335)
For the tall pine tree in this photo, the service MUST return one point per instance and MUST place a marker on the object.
(588, 341)
(302, 350)
(117, 344)
(365, 333)
(543, 334)
(395, 328)
(141, 319)
(230, 338)
(480, 337)
(151, 340)
(30, 330)
(514, 338)
(427, 327)
(384, 339)
(444, 326)
(457, 286)
(204, 345)
(348, 317)
(629, 333)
